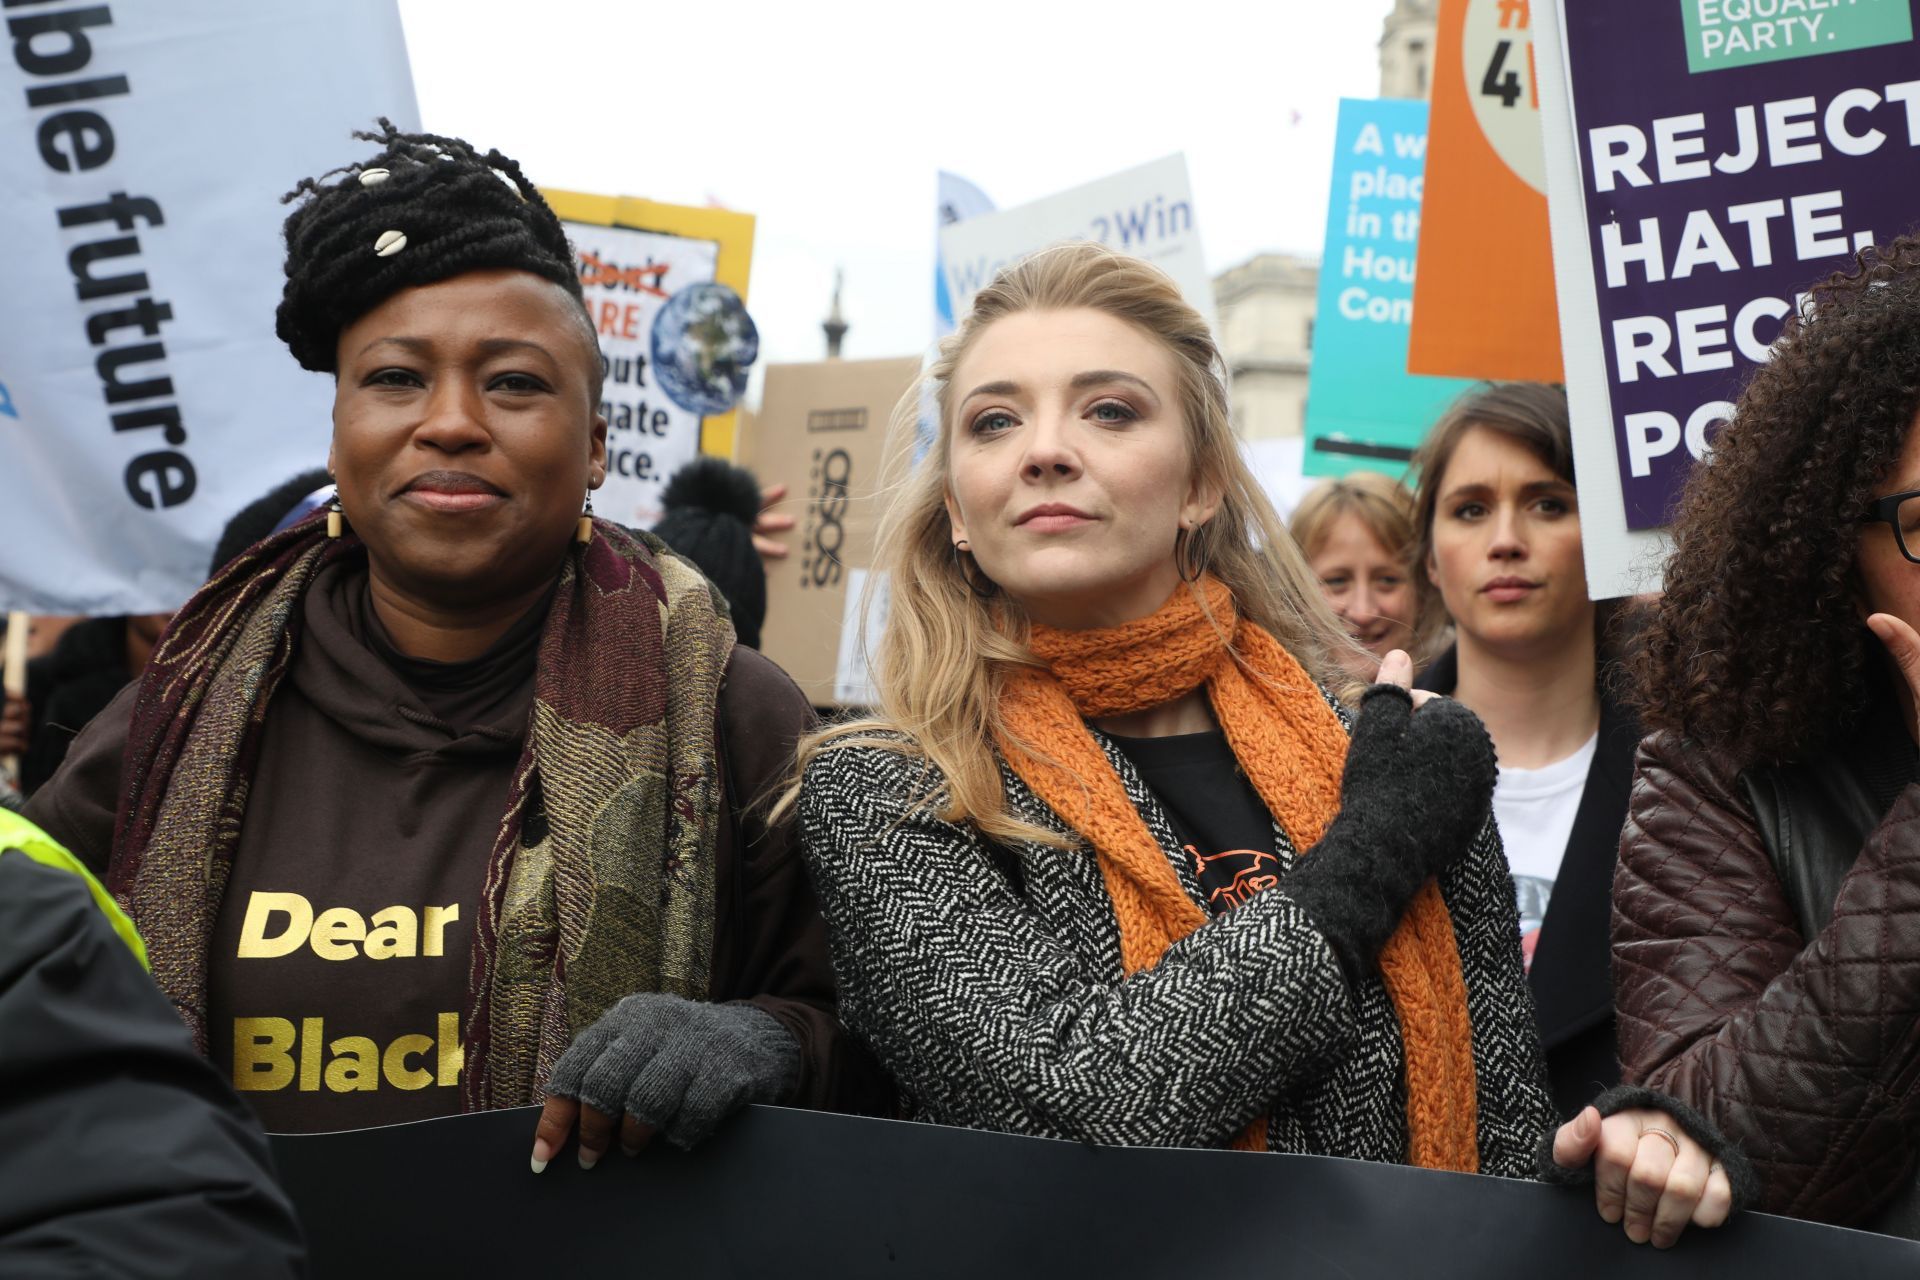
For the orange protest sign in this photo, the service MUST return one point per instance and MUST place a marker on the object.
(1483, 299)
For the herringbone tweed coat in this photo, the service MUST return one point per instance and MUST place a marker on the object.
(989, 983)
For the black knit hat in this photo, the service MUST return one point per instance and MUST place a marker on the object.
(425, 209)
(711, 506)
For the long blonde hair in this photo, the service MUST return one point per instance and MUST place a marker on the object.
(944, 651)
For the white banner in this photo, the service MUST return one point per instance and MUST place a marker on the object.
(628, 277)
(958, 200)
(144, 398)
(1147, 212)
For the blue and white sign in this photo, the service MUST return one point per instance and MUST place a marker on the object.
(1147, 212)
(959, 200)
(144, 398)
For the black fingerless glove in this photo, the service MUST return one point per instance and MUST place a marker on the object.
(1742, 1180)
(678, 1065)
(1417, 790)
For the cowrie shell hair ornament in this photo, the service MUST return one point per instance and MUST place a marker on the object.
(390, 243)
(373, 177)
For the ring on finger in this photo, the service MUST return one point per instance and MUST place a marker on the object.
(1654, 1131)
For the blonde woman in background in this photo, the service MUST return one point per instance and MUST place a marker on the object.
(1357, 533)
(1103, 868)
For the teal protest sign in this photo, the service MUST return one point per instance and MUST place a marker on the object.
(1740, 33)
(1364, 410)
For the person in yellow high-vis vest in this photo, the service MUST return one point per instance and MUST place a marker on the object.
(119, 1143)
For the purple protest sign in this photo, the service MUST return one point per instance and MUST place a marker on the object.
(1731, 153)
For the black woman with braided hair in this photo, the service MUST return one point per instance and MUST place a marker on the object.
(441, 800)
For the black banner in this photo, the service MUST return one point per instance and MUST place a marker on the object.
(783, 1193)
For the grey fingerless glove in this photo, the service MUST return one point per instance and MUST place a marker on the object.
(1417, 790)
(678, 1065)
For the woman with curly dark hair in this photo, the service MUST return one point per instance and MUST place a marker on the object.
(1767, 906)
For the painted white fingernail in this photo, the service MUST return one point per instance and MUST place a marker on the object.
(539, 1165)
(588, 1159)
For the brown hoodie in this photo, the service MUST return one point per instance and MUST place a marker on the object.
(339, 960)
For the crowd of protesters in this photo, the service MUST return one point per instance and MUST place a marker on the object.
(1170, 825)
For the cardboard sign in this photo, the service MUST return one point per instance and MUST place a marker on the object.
(1697, 190)
(144, 399)
(1146, 212)
(1483, 302)
(676, 348)
(1364, 410)
(824, 431)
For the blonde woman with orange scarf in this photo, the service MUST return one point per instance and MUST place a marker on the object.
(1104, 867)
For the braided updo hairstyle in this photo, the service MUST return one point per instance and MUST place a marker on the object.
(450, 210)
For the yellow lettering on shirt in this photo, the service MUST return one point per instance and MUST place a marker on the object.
(453, 1054)
(311, 1030)
(335, 932)
(269, 1055)
(438, 918)
(261, 906)
(279, 924)
(396, 932)
(394, 1063)
(260, 1057)
(357, 1067)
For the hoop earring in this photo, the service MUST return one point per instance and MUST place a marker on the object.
(1189, 557)
(987, 592)
(583, 531)
(336, 518)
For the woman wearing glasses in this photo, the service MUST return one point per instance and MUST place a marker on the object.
(1767, 907)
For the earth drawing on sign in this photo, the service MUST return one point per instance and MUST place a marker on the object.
(704, 342)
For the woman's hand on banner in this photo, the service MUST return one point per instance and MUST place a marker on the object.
(1648, 1174)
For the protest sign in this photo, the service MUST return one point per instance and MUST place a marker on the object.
(666, 286)
(1364, 410)
(824, 430)
(1698, 188)
(144, 398)
(1146, 212)
(958, 200)
(778, 1192)
(1483, 304)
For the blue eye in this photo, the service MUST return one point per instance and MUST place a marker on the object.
(993, 420)
(1114, 411)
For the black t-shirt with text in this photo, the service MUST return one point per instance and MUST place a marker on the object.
(1216, 814)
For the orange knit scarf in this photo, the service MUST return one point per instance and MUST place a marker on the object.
(1292, 748)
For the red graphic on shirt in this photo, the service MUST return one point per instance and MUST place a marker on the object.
(1229, 879)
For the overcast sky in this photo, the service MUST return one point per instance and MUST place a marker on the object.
(829, 119)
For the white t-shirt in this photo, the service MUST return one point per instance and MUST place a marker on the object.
(1535, 809)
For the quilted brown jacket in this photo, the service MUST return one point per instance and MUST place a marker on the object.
(1804, 1051)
